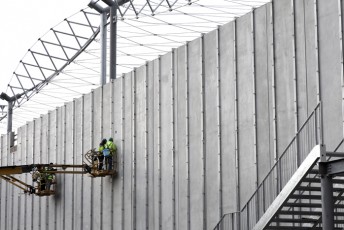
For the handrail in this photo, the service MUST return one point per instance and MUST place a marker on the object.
(284, 152)
(292, 151)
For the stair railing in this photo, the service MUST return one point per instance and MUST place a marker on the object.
(309, 135)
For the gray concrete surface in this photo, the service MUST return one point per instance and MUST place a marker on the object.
(197, 129)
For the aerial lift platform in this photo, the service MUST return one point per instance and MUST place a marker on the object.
(91, 166)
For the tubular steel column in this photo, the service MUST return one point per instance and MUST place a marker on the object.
(113, 34)
(103, 20)
(9, 116)
(327, 202)
(113, 41)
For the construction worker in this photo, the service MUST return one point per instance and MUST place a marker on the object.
(101, 155)
(112, 150)
(42, 182)
(49, 176)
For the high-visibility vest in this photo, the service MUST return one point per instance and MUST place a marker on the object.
(50, 176)
(111, 146)
(101, 148)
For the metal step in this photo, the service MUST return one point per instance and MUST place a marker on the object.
(309, 205)
(295, 228)
(305, 197)
(316, 189)
(300, 213)
(313, 171)
(305, 214)
(302, 220)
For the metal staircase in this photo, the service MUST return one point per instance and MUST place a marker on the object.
(290, 196)
(299, 205)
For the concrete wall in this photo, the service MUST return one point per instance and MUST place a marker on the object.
(197, 129)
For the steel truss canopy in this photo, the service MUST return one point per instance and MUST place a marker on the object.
(65, 62)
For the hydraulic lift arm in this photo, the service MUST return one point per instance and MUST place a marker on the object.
(20, 184)
(9, 170)
(43, 174)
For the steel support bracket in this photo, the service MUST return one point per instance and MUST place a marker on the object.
(331, 168)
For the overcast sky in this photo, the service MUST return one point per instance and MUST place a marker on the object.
(22, 23)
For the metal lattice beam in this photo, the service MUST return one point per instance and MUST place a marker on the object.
(50, 57)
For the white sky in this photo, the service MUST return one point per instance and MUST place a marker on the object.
(22, 23)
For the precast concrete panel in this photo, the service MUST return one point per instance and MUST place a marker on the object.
(166, 147)
(4, 185)
(68, 179)
(306, 59)
(29, 160)
(44, 159)
(21, 199)
(300, 65)
(27, 205)
(272, 84)
(20, 217)
(106, 132)
(140, 148)
(117, 133)
(87, 145)
(107, 118)
(106, 127)
(17, 193)
(156, 161)
(196, 134)
(180, 126)
(37, 209)
(330, 52)
(97, 188)
(45, 139)
(246, 103)
(311, 55)
(150, 144)
(79, 154)
(52, 157)
(284, 72)
(2, 182)
(263, 68)
(127, 154)
(60, 158)
(11, 161)
(211, 129)
(227, 115)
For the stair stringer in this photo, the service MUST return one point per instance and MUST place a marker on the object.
(288, 189)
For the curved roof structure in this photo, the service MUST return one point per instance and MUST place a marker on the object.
(65, 62)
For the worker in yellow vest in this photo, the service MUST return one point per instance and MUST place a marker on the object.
(110, 150)
(49, 176)
(101, 154)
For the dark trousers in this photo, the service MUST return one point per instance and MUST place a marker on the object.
(108, 160)
(42, 185)
(100, 162)
(48, 184)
